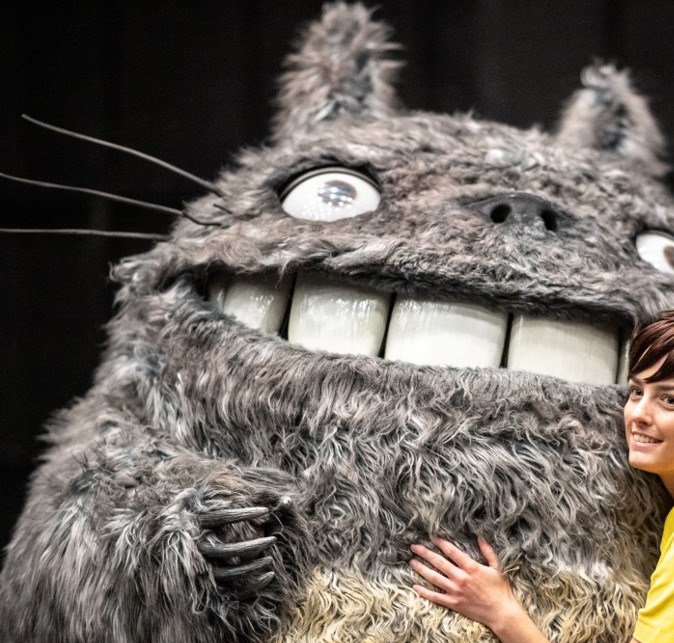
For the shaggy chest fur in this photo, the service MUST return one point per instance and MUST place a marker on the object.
(292, 395)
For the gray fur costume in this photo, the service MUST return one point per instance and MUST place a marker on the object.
(219, 483)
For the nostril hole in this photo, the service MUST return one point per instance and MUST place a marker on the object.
(500, 213)
(549, 219)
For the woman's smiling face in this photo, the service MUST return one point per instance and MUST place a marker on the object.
(649, 425)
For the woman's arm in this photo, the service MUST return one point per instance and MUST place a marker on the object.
(479, 592)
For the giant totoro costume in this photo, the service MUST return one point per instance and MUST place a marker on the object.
(384, 325)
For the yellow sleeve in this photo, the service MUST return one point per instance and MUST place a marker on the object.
(655, 623)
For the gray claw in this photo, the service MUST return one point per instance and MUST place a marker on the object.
(237, 571)
(253, 588)
(225, 551)
(220, 517)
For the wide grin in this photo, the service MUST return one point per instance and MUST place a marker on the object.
(321, 313)
(644, 439)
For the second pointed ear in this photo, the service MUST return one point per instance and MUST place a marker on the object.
(342, 66)
(608, 115)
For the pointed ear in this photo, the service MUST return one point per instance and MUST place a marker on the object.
(608, 115)
(341, 67)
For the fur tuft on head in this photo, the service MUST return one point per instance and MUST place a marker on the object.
(610, 116)
(342, 66)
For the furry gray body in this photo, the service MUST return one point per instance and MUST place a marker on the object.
(358, 457)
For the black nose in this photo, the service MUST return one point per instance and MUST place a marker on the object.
(520, 206)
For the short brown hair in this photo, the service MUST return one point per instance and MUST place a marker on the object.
(651, 341)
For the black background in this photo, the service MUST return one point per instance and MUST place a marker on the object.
(192, 82)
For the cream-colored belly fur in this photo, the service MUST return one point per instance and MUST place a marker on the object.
(346, 607)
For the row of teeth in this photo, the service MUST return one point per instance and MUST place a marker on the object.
(329, 316)
(637, 437)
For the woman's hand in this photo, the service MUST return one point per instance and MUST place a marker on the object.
(476, 591)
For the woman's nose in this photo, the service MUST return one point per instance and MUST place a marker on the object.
(641, 411)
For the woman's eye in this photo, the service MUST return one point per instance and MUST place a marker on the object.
(330, 194)
(657, 248)
(634, 392)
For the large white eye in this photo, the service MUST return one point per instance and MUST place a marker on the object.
(329, 194)
(658, 249)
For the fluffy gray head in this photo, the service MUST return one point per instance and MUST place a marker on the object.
(196, 414)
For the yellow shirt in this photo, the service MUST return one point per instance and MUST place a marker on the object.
(655, 623)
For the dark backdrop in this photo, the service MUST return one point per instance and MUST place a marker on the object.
(191, 82)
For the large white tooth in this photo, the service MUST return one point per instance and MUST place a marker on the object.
(327, 315)
(258, 302)
(623, 361)
(450, 334)
(217, 291)
(571, 350)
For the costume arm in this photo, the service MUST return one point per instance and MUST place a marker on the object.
(133, 534)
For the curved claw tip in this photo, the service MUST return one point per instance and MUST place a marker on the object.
(253, 589)
(219, 517)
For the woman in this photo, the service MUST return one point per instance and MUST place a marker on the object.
(481, 593)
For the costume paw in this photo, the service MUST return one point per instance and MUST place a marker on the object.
(243, 567)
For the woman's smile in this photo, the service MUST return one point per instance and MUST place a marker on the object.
(641, 439)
